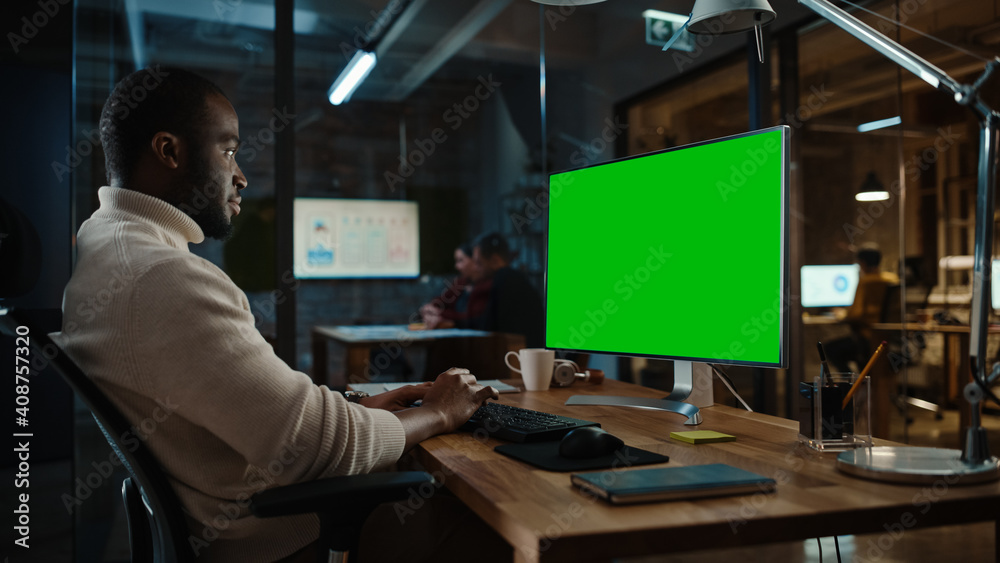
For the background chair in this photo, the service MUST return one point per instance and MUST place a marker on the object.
(158, 532)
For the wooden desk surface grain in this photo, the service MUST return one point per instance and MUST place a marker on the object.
(545, 518)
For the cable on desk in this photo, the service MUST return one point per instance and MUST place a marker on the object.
(729, 385)
(836, 544)
(819, 544)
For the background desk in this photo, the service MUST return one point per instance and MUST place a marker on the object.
(955, 374)
(957, 370)
(480, 351)
(546, 519)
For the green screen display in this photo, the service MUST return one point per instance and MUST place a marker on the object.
(679, 253)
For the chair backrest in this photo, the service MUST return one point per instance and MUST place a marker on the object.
(20, 258)
(168, 528)
(892, 311)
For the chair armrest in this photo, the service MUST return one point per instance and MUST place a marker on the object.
(347, 497)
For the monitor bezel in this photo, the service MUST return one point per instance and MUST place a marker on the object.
(783, 316)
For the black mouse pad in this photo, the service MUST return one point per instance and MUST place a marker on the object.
(546, 456)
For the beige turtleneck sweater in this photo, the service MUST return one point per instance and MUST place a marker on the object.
(171, 340)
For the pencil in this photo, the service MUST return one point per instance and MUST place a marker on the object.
(864, 373)
(824, 367)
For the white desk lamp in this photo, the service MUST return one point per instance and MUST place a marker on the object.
(909, 464)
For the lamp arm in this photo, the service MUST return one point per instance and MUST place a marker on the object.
(889, 48)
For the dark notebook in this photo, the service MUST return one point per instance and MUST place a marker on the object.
(672, 483)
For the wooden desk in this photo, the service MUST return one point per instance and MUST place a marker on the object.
(463, 346)
(544, 518)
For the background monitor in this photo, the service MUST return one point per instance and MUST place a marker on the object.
(355, 238)
(995, 284)
(678, 254)
(829, 285)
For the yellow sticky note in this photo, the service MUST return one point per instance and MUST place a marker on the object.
(702, 437)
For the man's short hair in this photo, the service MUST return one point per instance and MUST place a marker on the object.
(144, 103)
(493, 244)
(466, 248)
(869, 255)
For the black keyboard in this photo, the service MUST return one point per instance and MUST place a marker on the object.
(522, 425)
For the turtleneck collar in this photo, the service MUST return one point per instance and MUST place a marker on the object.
(179, 228)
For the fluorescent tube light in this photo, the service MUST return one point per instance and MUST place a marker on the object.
(357, 69)
(657, 14)
(872, 196)
(881, 123)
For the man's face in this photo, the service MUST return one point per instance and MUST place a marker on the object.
(212, 180)
(483, 267)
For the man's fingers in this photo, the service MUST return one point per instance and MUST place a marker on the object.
(485, 393)
(458, 371)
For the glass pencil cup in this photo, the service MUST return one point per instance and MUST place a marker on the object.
(826, 424)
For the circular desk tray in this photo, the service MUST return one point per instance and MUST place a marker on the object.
(913, 465)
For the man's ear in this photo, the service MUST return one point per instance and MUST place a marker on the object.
(167, 149)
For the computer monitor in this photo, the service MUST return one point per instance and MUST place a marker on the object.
(677, 254)
(355, 238)
(829, 285)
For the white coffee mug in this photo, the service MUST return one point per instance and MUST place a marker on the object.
(535, 367)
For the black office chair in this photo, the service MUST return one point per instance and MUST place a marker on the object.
(904, 353)
(158, 532)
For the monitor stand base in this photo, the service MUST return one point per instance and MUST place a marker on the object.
(691, 385)
(686, 409)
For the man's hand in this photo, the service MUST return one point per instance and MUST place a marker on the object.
(397, 399)
(449, 402)
(456, 395)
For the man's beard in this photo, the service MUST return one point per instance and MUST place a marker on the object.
(202, 203)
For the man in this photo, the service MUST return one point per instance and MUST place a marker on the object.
(869, 300)
(514, 304)
(170, 338)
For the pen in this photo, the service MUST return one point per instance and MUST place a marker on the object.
(824, 367)
(864, 373)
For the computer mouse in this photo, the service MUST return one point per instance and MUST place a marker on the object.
(588, 442)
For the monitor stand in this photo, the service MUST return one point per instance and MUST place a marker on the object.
(692, 383)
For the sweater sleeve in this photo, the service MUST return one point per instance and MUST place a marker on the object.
(194, 341)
